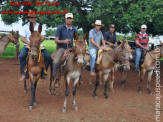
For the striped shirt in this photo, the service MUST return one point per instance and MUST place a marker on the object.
(142, 38)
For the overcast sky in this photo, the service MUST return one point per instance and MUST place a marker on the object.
(15, 26)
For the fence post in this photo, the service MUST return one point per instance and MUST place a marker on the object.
(17, 46)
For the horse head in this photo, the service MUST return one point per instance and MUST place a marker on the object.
(124, 55)
(35, 41)
(80, 48)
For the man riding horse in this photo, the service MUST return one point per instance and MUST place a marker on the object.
(25, 38)
(64, 37)
(95, 38)
(142, 43)
(110, 36)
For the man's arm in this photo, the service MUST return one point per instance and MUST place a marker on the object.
(61, 41)
(23, 39)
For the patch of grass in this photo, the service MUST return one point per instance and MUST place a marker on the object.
(11, 48)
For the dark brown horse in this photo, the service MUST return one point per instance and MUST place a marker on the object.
(5, 39)
(118, 56)
(35, 61)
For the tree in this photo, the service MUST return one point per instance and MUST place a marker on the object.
(127, 15)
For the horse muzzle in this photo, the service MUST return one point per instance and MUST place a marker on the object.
(126, 68)
(80, 59)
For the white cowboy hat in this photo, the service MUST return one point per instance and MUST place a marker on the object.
(98, 22)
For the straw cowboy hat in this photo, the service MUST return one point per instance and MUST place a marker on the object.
(32, 15)
(98, 22)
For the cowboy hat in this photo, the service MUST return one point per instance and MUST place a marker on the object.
(98, 22)
(32, 15)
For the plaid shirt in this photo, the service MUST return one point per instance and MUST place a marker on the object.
(142, 38)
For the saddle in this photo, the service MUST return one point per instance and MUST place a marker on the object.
(65, 56)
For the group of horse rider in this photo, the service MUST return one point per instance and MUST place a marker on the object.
(64, 40)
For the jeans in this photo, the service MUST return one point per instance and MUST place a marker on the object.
(138, 56)
(57, 59)
(92, 53)
(23, 55)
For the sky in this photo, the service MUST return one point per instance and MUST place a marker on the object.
(15, 26)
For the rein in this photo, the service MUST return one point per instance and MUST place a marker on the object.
(112, 60)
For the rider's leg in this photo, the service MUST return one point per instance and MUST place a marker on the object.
(56, 61)
(22, 58)
(92, 52)
(47, 58)
(138, 55)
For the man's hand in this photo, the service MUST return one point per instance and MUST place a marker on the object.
(103, 48)
(67, 41)
(146, 48)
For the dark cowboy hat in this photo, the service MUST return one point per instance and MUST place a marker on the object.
(31, 15)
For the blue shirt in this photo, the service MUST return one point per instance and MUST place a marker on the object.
(108, 36)
(64, 33)
(96, 36)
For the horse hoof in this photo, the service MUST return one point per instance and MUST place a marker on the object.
(150, 93)
(49, 92)
(107, 97)
(63, 110)
(95, 97)
(25, 91)
(30, 107)
(76, 108)
(35, 104)
(112, 91)
(140, 91)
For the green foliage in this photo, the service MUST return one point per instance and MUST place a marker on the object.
(50, 32)
(127, 15)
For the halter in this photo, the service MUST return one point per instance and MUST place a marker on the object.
(108, 57)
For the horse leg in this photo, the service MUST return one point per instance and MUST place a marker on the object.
(51, 78)
(123, 82)
(73, 101)
(33, 89)
(148, 82)
(66, 94)
(112, 80)
(142, 74)
(105, 85)
(25, 86)
(98, 78)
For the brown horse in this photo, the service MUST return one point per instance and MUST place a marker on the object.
(5, 39)
(148, 66)
(73, 69)
(35, 61)
(118, 56)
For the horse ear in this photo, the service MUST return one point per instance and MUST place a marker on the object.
(126, 41)
(76, 37)
(31, 27)
(121, 41)
(40, 28)
(85, 37)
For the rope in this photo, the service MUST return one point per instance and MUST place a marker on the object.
(117, 64)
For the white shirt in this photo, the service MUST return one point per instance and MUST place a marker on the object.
(25, 31)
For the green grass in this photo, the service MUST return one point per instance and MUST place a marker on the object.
(11, 48)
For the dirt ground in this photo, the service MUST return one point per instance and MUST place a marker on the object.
(124, 105)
